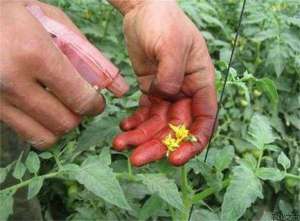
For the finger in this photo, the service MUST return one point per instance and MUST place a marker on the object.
(204, 108)
(139, 116)
(88, 61)
(58, 15)
(148, 152)
(171, 69)
(139, 135)
(64, 81)
(136, 119)
(179, 113)
(27, 127)
(42, 106)
(147, 129)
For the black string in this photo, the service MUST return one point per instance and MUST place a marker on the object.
(226, 78)
(224, 86)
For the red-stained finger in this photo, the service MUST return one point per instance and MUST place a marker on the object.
(146, 130)
(136, 119)
(139, 135)
(178, 113)
(139, 116)
(204, 108)
(148, 152)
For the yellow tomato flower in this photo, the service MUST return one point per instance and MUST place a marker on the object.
(180, 131)
(170, 143)
(181, 134)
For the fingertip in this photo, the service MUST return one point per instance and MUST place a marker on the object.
(184, 153)
(119, 143)
(125, 124)
(148, 152)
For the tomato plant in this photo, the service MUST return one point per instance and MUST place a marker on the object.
(252, 169)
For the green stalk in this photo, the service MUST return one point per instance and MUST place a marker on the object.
(259, 158)
(185, 193)
(129, 167)
(207, 192)
(25, 183)
(292, 176)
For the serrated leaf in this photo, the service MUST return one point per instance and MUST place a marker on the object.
(98, 132)
(260, 131)
(204, 214)
(105, 156)
(277, 58)
(6, 205)
(243, 190)
(34, 187)
(269, 88)
(164, 187)
(32, 162)
(3, 174)
(150, 207)
(224, 158)
(284, 160)
(45, 155)
(272, 174)
(100, 179)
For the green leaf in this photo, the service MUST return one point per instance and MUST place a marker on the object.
(277, 57)
(272, 174)
(100, 179)
(269, 87)
(34, 187)
(204, 215)
(32, 162)
(164, 187)
(260, 131)
(6, 205)
(19, 170)
(284, 160)
(98, 132)
(105, 156)
(151, 207)
(243, 190)
(3, 174)
(45, 155)
(224, 158)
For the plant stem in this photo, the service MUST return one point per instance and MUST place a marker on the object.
(129, 167)
(26, 182)
(259, 158)
(185, 193)
(208, 191)
(292, 176)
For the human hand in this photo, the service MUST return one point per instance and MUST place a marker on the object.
(42, 94)
(171, 61)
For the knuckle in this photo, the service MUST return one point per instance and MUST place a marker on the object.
(67, 124)
(168, 88)
(90, 104)
(43, 142)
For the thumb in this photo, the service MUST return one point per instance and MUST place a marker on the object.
(88, 61)
(170, 73)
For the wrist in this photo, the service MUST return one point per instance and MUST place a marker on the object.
(125, 6)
